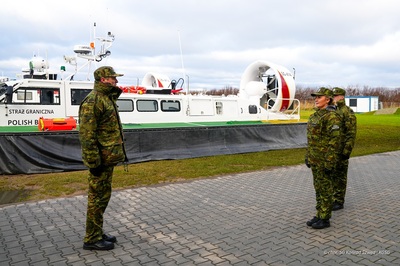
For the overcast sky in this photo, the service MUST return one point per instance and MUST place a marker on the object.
(327, 42)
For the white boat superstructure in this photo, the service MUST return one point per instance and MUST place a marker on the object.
(266, 93)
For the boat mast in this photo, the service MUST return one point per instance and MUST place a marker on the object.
(184, 76)
(88, 52)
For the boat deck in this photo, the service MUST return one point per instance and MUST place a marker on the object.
(30, 129)
(34, 129)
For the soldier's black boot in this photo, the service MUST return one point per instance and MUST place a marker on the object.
(337, 206)
(99, 245)
(109, 238)
(321, 224)
(313, 220)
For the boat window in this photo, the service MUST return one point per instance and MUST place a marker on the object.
(147, 105)
(252, 109)
(24, 95)
(218, 107)
(8, 92)
(125, 105)
(77, 95)
(170, 106)
(48, 96)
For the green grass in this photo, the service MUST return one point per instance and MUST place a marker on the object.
(375, 134)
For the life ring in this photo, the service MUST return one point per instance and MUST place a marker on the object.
(134, 89)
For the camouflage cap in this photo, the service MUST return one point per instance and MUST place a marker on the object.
(338, 91)
(323, 92)
(105, 72)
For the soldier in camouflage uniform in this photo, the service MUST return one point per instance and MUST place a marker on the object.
(349, 130)
(323, 145)
(101, 137)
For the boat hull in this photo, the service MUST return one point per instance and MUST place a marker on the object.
(47, 152)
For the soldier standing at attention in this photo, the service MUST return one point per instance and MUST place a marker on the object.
(323, 146)
(349, 131)
(101, 137)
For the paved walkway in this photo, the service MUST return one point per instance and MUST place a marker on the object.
(254, 218)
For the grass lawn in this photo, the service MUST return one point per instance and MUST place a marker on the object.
(375, 134)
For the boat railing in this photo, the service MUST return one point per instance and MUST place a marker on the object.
(291, 113)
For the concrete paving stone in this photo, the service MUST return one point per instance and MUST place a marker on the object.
(161, 246)
(77, 263)
(255, 218)
(56, 258)
(232, 258)
(152, 252)
(10, 239)
(177, 247)
(117, 263)
(29, 244)
(215, 259)
(300, 259)
(169, 252)
(186, 252)
(145, 259)
(5, 250)
(180, 260)
(197, 259)
(97, 263)
(206, 263)
(124, 259)
(242, 263)
(395, 262)
(134, 252)
(162, 258)
(90, 257)
(16, 251)
(27, 262)
(224, 263)
(17, 257)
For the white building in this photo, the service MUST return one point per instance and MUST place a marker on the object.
(362, 104)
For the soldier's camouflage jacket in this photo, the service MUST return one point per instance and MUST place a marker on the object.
(349, 127)
(100, 129)
(323, 138)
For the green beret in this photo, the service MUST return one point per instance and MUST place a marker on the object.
(105, 72)
(323, 92)
(338, 91)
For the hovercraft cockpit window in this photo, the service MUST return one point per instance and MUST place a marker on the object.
(77, 95)
(31, 95)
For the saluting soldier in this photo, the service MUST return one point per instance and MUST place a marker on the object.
(349, 131)
(323, 146)
(101, 137)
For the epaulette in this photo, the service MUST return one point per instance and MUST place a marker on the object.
(331, 108)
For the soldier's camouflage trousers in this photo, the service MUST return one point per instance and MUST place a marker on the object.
(340, 181)
(99, 195)
(323, 192)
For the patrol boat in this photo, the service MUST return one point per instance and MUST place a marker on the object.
(162, 119)
(41, 99)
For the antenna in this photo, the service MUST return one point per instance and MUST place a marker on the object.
(88, 52)
(183, 67)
